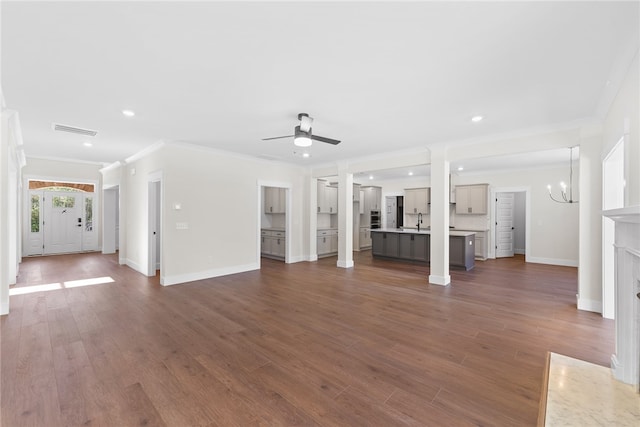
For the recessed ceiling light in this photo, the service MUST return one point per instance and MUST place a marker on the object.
(306, 155)
(410, 173)
(87, 144)
(460, 168)
(128, 113)
(476, 119)
(370, 176)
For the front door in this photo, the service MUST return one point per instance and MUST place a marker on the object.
(60, 222)
(63, 222)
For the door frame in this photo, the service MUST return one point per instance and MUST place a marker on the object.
(110, 203)
(155, 197)
(492, 218)
(288, 218)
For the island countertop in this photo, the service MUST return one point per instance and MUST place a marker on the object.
(455, 233)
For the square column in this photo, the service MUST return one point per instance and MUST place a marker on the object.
(439, 217)
(345, 218)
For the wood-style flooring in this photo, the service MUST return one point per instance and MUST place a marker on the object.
(300, 344)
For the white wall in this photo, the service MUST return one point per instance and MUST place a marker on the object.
(11, 162)
(219, 197)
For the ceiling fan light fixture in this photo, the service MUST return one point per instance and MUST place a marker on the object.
(302, 141)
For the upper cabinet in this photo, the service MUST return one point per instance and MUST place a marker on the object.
(356, 192)
(372, 199)
(472, 199)
(416, 200)
(274, 200)
(327, 198)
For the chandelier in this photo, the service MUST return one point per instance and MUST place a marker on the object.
(563, 187)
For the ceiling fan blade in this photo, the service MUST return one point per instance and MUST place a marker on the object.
(323, 139)
(278, 137)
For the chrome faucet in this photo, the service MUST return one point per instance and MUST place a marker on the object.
(419, 220)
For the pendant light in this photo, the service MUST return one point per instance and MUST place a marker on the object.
(563, 187)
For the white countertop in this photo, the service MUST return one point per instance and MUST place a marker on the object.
(455, 233)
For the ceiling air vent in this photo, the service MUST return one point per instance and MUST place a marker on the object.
(71, 129)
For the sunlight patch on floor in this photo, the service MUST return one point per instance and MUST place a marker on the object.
(56, 286)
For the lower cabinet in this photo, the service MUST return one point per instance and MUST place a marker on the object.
(385, 244)
(327, 243)
(481, 245)
(462, 251)
(273, 244)
(414, 247)
(365, 237)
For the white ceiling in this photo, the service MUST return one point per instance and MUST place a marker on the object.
(379, 76)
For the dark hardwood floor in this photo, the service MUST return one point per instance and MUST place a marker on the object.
(299, 344)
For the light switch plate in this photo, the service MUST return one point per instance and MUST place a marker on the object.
(182, 225)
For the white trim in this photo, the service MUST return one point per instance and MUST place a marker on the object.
(312, 258)
(145, 152)
(207, 274)
(589, 305)
(629, 214)
(439, 280)
(134, 265)
(345, 263)
(66, 160)
(114, 165)
(298, 258)
(553, 261)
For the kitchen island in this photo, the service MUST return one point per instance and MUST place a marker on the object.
(414, 245)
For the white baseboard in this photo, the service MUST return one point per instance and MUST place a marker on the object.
(295, 259)
(135, 266)
(345, 264)
(439, 280)
(589, 305)
(519, 251)
(553, 261)
(312, 258)
(207, 274)
(4, 308)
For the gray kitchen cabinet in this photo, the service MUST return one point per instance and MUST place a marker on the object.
(274, 200)
(356, 192)
(273, 244)
(462, 251)
(481, 245)
(385, 244)
(365, 237)
(414, 247)
(472, 199)
(372, 199)
(327, 242)
(416, 200)
(327, 198)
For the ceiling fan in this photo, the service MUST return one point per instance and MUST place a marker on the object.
(303, 136)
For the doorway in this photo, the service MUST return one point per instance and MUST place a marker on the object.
(155, 225)
(274, 222)
(391, 213)
(110, 219)
(60, 222)
(510, 222)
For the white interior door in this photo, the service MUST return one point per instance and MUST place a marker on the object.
(504, 224)
(63, 222)
(391, 212)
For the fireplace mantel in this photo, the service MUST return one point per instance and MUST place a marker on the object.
(625, 363)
